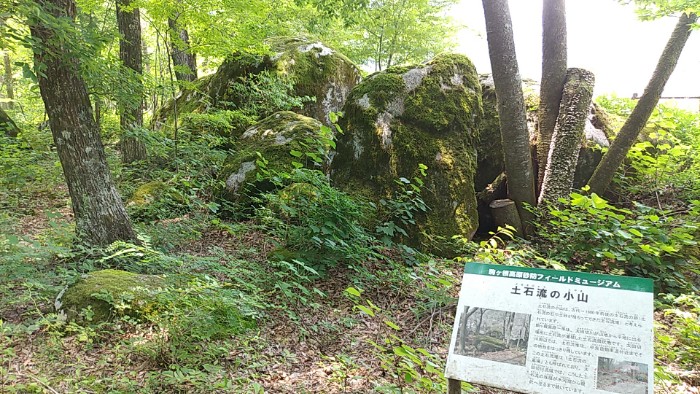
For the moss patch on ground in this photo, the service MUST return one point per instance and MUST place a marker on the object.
(94, 289)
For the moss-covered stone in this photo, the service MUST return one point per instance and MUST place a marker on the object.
(309, 67)
(91, 290)
(273, 138)
(405, 116)
(147, 193)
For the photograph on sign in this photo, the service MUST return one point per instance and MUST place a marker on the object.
(493, 335)
(620, 376)
(546, 331)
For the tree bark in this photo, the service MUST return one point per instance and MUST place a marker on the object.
(99, 212)
(9, 83)
(629, 132)
(568, 134)
(131, 111)
(554, 59)
(7, 125)
(511, 108)
(183, 57)
(98, 111)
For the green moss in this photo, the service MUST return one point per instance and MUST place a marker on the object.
(274, 138)
(298, 74)
(146, 193)
(429, 114)
(221, 122)
(112, 284)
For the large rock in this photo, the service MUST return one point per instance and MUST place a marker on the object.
(405, 116)
(94, 288)
(298, 67)
(274, 139)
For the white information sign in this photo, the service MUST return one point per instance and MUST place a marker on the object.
(546, 331)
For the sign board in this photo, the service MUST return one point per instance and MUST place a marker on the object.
(546, 331)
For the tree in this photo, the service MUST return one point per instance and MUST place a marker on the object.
(554, 57)
(9, 83)
(568, 133)
(99, 212)
(511, 107)
(630, 130)
(385, 33)
(131, 109)
(184, 59)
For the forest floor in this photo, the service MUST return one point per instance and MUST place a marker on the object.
(324, 345)
(324, 348)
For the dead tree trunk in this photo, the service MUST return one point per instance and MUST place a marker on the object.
(629, 132)
(99, 212)
(553, 75)
(511, 108)
(131, 111)
(7, 125)
(568, 135)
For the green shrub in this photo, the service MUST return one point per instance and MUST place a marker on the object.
(663, 164)
(588, 233)
(309, 215)
(265, 93)
(222, 123)
(179, 176)
(677, 338)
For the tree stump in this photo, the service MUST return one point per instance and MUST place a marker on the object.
(505, 212)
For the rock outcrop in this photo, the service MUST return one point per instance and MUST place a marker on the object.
(400, 118)
(299, 74)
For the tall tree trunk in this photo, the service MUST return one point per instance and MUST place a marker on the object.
(99, 212)
(629, 132)
(511, 108)
(183, 57)
(7, 125)
(131, 111)
(9, 83)
(553, 75)
(568, 134)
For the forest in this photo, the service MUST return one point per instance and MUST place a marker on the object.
(227, 196)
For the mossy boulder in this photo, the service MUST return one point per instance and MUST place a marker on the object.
(147, 193)
(405, 116)
(273, 140)
(297, 74)
(94, 288)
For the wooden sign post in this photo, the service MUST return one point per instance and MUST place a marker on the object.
(547, 332)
